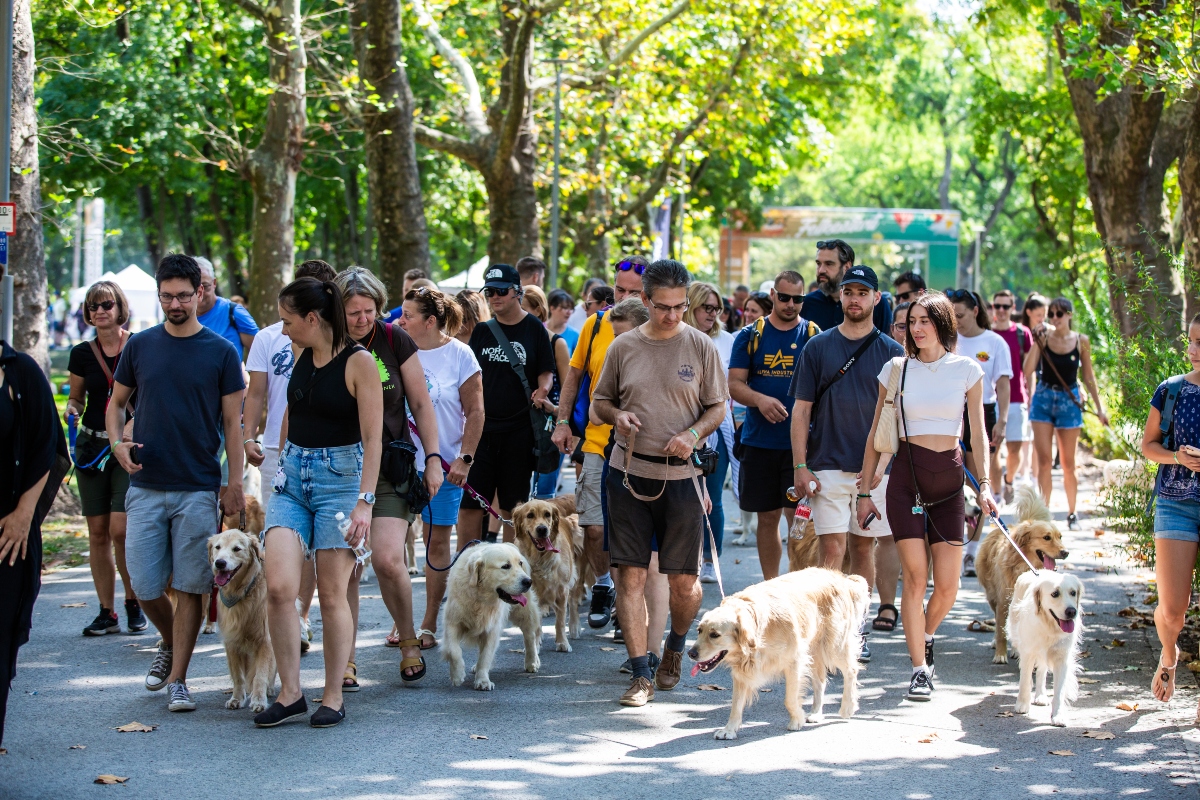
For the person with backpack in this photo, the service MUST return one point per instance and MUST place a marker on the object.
(761, 369)
(1172, 440)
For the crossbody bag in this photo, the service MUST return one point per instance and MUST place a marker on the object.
(544, 449)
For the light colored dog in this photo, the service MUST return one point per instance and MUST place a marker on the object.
(999, 566)
(1045, 626)
(800, 625)
(803, 547)
(486, 584)
(553, 545)
(236, 559)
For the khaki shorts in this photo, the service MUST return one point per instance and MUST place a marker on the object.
(389, 503)
(587, 490)
(834, 507)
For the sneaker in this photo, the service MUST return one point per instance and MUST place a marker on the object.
(278, 713)
(135, 619)
(105, 622)
(864, 655)
(929, 657)
(920, 688)
(181, 698)
(1009, 492)
(604, 599)
(640, 692)
(305, 636)
(968, 566)
(666, 677)
(708, 574)
(618, 634)
(1072, 522)
(160, 670)
(326, 717)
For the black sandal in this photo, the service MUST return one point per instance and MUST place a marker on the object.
(882, 623)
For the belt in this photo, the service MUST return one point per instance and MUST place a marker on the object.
(670, 461)
(96, 434)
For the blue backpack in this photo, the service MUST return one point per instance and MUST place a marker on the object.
(583, 398)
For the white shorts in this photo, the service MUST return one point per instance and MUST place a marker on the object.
(834, 506)
(1019, 428)
(587, 490)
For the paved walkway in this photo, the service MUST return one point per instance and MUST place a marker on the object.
(561, 732)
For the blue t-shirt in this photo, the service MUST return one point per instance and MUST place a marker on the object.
(572, 337)
(1174, 480)
(226, 325)
(180, 381)
(774, 362)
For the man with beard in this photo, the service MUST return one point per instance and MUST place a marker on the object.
(823, 305)
(189, 381)
(836, 392)
(763, 360)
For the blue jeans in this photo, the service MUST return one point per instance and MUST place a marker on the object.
(547, 482)
(716, 488)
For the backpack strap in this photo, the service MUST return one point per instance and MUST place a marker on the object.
(387, 329)
(1174, 387)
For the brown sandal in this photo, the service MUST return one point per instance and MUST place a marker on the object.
(1164, 676)
(408, 663)
(350, 678)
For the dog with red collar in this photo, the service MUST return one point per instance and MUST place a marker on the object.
(553, 544)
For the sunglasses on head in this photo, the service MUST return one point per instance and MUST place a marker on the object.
(964, 295)
(107, 305)
(625, 266)
(829, 244)
(784, 297)
(488, 291)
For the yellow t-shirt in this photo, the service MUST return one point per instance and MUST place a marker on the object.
(597, 435)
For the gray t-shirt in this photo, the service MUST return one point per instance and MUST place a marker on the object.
(842, 420)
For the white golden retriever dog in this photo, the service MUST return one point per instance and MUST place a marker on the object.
(1045, 628)
(236, 559)
(488, 584)
(801, 625)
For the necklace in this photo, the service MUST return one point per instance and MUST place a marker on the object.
(929, 364)
(372, 339)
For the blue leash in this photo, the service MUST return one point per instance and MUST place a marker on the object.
(1000, 523)
(73, 434)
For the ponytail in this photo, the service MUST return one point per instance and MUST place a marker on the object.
(433, 303)
(335, 314)
(305, 296)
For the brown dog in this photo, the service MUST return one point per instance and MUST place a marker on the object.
(998, 565)
(236, 558)
(803, 548)
(553, 545)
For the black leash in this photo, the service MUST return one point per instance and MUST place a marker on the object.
(454, 560)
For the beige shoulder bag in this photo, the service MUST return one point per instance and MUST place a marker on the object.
(887, 438)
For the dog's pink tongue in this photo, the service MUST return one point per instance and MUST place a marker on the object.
(1067, 625)
(520, 598)
(1048, 563)
(222, 578)
(695, 670)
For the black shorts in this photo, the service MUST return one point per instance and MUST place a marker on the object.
(765, 478)
(675, 521)
(989, 422)
(503, 465)
(940, 478)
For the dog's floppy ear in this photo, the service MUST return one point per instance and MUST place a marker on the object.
(210, 548)
(553, 522)
(1037, 599)
(256, 549)
(746, 630)
(478, 568)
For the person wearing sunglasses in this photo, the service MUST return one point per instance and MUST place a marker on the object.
(1018, 431)
(102, 487)
(908, 286)
(823, 305)
(1057, 408)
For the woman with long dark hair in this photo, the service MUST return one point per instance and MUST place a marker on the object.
(329, 466)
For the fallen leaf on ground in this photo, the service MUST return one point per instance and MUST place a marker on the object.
(131, 645)
(1089, 613)
(710, 687)
(478, 736)
(1061, 753)
(1129, 611)
(737, 561)
(1132, 669)
(78, 747)
(1117, 643)
(608, 649)
(1088, 680)
(585, 683)
(765, 690)
(73, 605)
(1194, 666)
(1005, 714)
(1085, 653)
(515, 650)
(928, 738)
(135, 727)
(109, 780)
(3, 751)
(1097, 532)
(1099, 735)
(1150, 599)
(1127, 707)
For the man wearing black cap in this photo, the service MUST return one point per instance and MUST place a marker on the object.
(504, 463)
(836, 390)
(823, 305)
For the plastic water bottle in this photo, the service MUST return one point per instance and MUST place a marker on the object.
(802, 521)
(361, 553)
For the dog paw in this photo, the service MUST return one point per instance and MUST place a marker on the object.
(533, 665)
(235, 702)
(1058, 722)
(484, 685)
(258, 704)
(1000, 658)
(725, 734)
(414, 571)
(1041, 700)
(457, 675)
(811, 719)
(209, 628)
(563, 647)
(847, 713)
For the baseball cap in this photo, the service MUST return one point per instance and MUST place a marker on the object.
(501, 276)
(860, 274)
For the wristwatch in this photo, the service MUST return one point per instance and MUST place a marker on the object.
(467, 458)
(367, 497)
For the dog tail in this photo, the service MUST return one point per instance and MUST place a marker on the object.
(1031, 505)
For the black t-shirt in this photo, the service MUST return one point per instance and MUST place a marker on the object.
(505, 402)
(82, 362)
(389, 360)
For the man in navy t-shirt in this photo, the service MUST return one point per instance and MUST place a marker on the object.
(760, 373)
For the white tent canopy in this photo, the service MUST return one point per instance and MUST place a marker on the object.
(141, 290)
(470, 278)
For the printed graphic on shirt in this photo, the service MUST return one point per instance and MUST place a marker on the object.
(283, 361)
(497, 355)
(687, 373)
(779, 365)
(385, 374)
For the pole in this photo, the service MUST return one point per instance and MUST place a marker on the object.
(77, 256)
(554, 188)
(975, 267)
(6, 44)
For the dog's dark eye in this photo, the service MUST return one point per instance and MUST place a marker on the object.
(529, 515)
(1046, 537)
(1072, 593)
(713, 635)
(237, 549)
(1055, 593)
(507, 566)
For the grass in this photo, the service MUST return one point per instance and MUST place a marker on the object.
(64, 543)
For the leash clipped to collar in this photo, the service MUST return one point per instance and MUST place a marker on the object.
(1004, 528)
(466, 487)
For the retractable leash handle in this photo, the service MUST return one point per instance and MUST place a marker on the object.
(1004, 528)
(72, 433)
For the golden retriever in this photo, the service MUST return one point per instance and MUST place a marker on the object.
(801, 625)
(236, 558)
(803, 549)
(998, 565)
(1045, 626)
(553, 545)
(486, 584)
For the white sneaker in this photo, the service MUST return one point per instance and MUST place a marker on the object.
(707, 573)
(181, 698)
(305, 635)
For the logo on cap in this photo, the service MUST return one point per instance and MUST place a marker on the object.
(857, 272)
(495, 273)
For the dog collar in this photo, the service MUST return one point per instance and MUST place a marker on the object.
(225, 601)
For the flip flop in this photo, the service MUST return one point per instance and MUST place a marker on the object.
(407, 663)
(980, 627)
(426, 632)
(882, 623)
(1165, 676)
(393, 638)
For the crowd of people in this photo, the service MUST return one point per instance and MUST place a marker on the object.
(653, 387)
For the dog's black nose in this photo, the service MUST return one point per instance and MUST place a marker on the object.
(525, 584)
(694, 654)
(1063, 554)
(1070, 612)
(543, 530)
(219, 563)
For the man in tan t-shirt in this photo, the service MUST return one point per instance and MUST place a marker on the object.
(663, 387)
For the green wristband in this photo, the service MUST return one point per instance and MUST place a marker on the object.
(692, 431)
(861, 496)
(801, 465)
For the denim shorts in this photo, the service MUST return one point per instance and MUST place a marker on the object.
(1054, 405)
(1174, 519)
(166, 540)
(311, 486)
(443, 509)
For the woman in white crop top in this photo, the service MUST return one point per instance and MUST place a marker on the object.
(924, 496)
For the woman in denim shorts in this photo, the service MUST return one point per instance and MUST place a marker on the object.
(1176, 508)
(329, 464)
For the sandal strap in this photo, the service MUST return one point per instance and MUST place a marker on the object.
(406, 663)
(410, 642)
(426, 632)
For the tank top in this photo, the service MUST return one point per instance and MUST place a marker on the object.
(1066, 364)
(321, 410)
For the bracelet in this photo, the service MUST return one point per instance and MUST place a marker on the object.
(438, 456)
(692, 431)
(801, 465)
(861, 496)
(563, 422)
(248, 441)
(1174, 454)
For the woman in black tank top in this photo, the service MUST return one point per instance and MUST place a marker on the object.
(1056, 408)
(328, 467)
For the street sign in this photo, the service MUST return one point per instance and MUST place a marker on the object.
(8, 218)
(3, 249)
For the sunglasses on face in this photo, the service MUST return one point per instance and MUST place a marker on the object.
(1056, 313)
(903, 296)
(1002, 306)
(107, 305)
(784, 297)
(625, 266)
(490, 292)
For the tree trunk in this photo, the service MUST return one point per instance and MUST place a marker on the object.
(1189, 190)
(149, 224)
(512, 203)
(26, 252)
(393, 179)
(273, 165)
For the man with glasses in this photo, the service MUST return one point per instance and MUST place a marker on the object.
(221, 315)
(823, 305)
(588, 359)
(909, 286)
(1020, 341)
(761, 366)
(188, 380)
(663, 388)
(504, 463)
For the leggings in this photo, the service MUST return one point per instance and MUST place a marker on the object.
(940, 478)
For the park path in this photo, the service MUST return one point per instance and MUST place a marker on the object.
(561, 732)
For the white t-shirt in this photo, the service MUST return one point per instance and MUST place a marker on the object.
(993, 354)
(934, 394)
(577, 318)
(271, 353)
(446, 369)
(724, 344)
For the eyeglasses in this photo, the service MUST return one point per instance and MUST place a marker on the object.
(182, 297)
(900, 327)
(625, 266)
(1056, 313)
(107, 305)
(784, 297)
(488, 291)
(710, 308)
(679, 309)
(1002, 306)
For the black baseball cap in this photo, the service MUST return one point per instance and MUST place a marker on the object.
(860, 274)
(501, 276)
